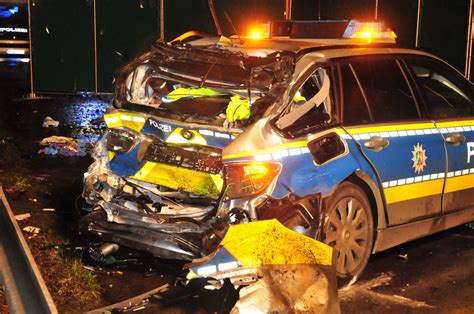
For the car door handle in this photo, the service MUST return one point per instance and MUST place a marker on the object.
(376, 143)
(455, 139)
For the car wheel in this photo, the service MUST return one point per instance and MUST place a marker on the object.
(349, 229)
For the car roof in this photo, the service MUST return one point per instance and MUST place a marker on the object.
(309, 50)
(315, 48)
(323, 54)
(333, 52)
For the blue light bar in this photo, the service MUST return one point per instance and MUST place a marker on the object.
(15, 60)
(8, 12)
(16, 51)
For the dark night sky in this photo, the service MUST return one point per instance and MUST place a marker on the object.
(127, 27)
(443, 31)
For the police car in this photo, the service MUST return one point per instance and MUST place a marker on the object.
(327, 126)
(14, 39)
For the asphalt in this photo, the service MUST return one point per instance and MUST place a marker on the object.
(430, 275)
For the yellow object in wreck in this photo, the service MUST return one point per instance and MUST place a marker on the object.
(127, 119)
(191, 92)
(268, 242)
(238, 109)
(176, 178)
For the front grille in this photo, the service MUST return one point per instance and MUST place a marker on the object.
(184, 158)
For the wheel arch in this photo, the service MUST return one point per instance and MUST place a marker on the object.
(374, 195)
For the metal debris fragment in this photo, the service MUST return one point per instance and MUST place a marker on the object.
(22, 216)
(50, 122)
(31, 229)
(89, 268)
(403, 256)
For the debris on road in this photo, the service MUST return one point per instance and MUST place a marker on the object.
(117, 272)
(383, 279)
(63, 146)
(403, 256)
(103, 253)
(90, 268)
(134, 303)
(259, 267)
(57, 140)
(21, 217)
(31, 229)
(366, 289)
(40, 179)
(49, 209)
(274, 269)
(50, 122)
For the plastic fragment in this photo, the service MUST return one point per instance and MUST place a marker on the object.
(21, 217)
(50, 122)
(403, 256)
(31, 229)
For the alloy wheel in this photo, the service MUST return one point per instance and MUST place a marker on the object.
(347, 231)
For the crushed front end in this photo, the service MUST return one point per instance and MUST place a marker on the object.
(157, 183)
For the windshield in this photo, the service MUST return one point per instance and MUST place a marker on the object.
(203, 86)
(150, 87)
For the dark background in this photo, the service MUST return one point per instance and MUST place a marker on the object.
(63, 31)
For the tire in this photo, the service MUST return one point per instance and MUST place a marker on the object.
(348, 228)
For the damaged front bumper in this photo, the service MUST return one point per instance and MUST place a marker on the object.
(166, 222)
(181, 218)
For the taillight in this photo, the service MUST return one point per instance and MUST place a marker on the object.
(250, 178)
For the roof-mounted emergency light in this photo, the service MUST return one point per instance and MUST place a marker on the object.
(368, 30)
(260, 31)
(328, 29)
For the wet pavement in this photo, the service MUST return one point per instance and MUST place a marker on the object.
(431, 275)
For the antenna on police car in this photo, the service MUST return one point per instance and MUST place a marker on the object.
(214, 17)
(233, 27)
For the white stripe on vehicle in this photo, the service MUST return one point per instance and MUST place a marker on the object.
(427, 177)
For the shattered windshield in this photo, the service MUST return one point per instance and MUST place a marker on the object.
(146, 86)
(211, 86)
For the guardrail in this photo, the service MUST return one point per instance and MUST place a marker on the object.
(24, 286)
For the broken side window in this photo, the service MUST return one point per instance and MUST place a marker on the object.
(311, 106)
